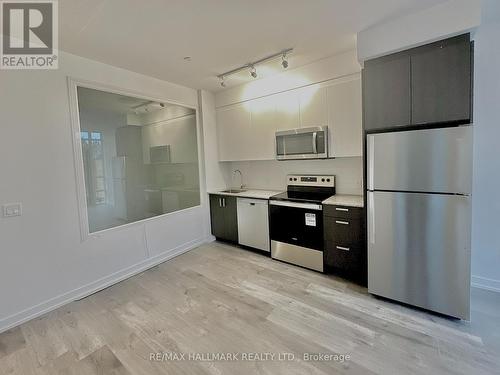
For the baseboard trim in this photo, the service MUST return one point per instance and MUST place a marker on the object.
(485, 283)
(95, 286)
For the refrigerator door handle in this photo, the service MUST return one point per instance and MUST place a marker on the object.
(371, 160)
(371, 218)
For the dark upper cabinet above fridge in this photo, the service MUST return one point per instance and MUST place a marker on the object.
(422, 86)
(386, 92)
(441, 82)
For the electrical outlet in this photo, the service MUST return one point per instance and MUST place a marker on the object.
(12, 209)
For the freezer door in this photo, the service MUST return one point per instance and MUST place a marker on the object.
(430, 160)
(419, 250)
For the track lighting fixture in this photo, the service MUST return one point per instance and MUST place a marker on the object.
(284, 61)
(253, 71)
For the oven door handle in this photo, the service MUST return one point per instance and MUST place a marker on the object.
(315, 142)
(308, 206)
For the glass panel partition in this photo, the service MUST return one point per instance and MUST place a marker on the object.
(140, 158)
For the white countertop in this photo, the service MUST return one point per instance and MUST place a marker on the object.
(250, 193)
(345, 200)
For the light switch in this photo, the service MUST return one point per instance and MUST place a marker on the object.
(12, 209)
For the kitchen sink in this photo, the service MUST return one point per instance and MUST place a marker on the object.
(234, 191)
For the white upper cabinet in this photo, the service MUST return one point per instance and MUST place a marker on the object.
(233, 132)
(179, 134)
(287, 110)
(264, 125)
(313, 107)
(246, 131)
(345, 117)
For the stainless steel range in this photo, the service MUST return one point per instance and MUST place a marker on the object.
(296, 220)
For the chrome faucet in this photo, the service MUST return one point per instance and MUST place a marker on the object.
(241, 177)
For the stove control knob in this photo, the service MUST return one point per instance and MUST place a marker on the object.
(295, 179)
(322, 180)
(290, 179)
(327, 180)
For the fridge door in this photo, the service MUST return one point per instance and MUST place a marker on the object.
(430, 160)
(419, 250)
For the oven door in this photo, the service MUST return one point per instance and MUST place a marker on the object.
(303, 143)
(297, 233)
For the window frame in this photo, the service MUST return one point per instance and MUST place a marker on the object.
(73, 84)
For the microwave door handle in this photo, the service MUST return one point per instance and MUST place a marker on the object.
(315, 142)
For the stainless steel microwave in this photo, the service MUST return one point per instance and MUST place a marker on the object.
(302, 143)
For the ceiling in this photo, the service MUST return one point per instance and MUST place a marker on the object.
(153, 36)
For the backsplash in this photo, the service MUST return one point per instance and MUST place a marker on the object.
(271, 174)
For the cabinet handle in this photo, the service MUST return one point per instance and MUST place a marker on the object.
(342, 222)
(252, 204)
(342, 248)
(341, 209)
(220, 202)
(223, 202)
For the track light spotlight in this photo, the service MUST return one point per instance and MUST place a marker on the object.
(284, 61)
(250, 66)
(253, 71)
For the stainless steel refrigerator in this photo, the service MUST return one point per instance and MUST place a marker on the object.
(419, 218)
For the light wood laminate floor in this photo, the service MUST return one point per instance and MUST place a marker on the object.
(222, 299)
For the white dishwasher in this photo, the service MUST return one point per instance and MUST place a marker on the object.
(253, 223)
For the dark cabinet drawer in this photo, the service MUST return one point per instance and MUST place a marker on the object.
(345, 248)
(345, 232)
(345, 212)
(350, 264)
(344, 257)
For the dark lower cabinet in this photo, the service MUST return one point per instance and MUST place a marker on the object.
(345, 250)
(224, 217)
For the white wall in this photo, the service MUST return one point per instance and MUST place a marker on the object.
(449, 18)
(271, 174)
(216, 173)
(486, 184)
(43, 261)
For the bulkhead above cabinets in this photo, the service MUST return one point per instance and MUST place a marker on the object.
(246, 131)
